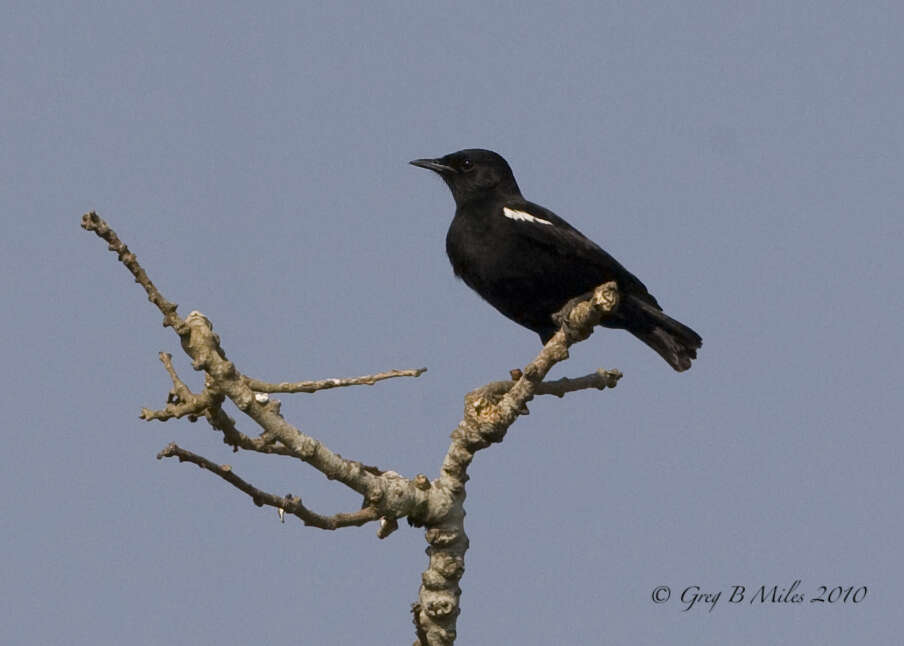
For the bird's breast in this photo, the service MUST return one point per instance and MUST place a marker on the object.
(487, 254)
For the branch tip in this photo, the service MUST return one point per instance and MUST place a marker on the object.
(325, 384)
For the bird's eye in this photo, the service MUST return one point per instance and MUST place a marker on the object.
(466, 164)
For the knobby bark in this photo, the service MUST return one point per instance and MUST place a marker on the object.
(436, 504)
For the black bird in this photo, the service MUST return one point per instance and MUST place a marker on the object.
(527, 262)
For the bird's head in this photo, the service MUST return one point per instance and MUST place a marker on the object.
(473, 174)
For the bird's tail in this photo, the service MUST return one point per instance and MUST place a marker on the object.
(672, 340)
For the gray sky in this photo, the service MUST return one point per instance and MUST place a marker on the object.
(743, 159)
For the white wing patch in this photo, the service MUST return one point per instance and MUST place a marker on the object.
(523, 216)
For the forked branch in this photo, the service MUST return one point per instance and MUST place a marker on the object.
(437, 505)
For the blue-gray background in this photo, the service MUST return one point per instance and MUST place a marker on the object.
(744, 159)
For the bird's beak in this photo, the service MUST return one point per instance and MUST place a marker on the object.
(434, 165)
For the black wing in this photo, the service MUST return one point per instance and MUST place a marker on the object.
(576, 260)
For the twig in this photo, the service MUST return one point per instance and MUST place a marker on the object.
(325, 384)
(289, 504)
(92, 222)
(599, 380)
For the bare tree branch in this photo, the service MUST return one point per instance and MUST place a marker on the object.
(325, 384)
(92, 222)
(181, 401)
(599, 380)
(437, 505)
(395, 497)
(489, 412)
(289, 504)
